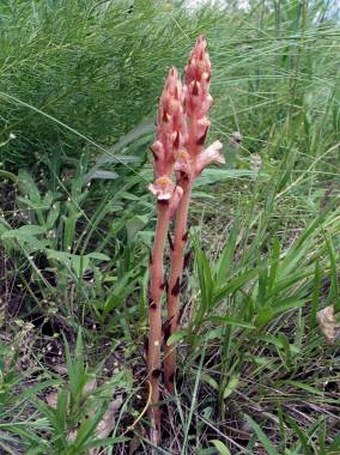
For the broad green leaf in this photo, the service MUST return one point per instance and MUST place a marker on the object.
(53, 215)
(98, 256)
(221, 447)
(280, 342)
(176, 337)
(144, 128)
(231, 386)
(60, 414)
(111, 155)
(25, 236)
(214, 333)
(207, 451)
(210, 381)
(264, 316)
(3, 229)
(145, 237)
(267, 314)
(33, 204)
(24, 231)
(79, 264)
(28, 186)
(102, 175)
(299, 249)
(71, 261)
(119, 292)
(21, 430)
(264, 362)
(8, 175)
(114, 301)
(134, 225)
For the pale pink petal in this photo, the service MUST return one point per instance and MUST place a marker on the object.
(163, 188)
(199, 66)
(202, 128)
(209, 155)
(158, 151)
(183, 162)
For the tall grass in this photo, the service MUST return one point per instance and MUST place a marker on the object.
(97, 67)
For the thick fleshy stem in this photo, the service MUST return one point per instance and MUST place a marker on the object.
(155, 317)
(177, 262)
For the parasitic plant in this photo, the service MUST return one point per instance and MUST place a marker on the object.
(182, 127)
(171, 133)
(190, 162)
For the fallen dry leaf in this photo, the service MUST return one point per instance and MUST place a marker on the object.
(329, 326)
(52, 399)
(90, 386)
(107, 423)
(72, 435)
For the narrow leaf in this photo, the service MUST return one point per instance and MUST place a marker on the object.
(231, 386)
(221, 447)
(268, 446)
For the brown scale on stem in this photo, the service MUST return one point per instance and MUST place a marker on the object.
(176, 288)
(171, 243)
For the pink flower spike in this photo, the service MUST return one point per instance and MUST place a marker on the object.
(197, 97)
(171, 126)
(163, 188)
(209, 155)
(199, 66)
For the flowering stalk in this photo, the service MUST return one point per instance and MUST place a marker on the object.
(171, 133)
(191, 159)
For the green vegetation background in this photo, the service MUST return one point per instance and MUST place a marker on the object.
(79, 83)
